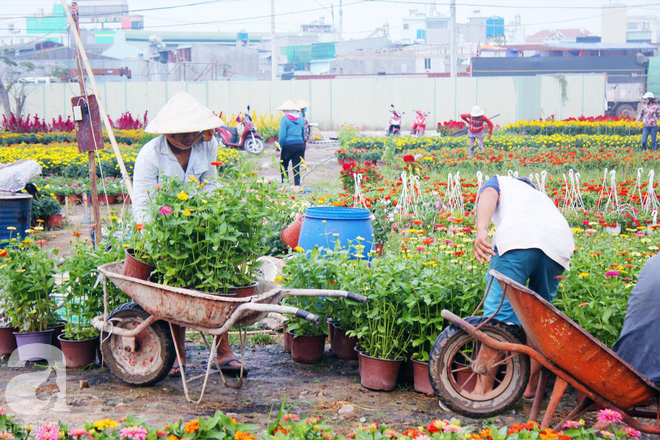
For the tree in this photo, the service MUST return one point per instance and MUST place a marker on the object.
(10, 85)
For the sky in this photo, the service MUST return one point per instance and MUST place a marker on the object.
(361, 17)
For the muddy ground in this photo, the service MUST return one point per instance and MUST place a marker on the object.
(320, 389)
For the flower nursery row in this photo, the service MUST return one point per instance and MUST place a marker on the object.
(499, 141)
(128, 137)
(288, 426)
(622, 127)
(64, 159)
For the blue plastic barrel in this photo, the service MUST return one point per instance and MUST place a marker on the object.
(323, 226)
(15, 210)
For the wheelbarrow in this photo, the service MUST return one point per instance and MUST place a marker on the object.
(137, 344)
(557, 343)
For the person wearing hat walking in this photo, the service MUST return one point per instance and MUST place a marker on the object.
(476, 121)
(185, 148)
(292, 141)
(648, 116)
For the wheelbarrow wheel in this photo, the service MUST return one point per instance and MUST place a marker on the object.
(153, 355)
(460, 388)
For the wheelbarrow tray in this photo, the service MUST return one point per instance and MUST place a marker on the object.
(188, 306)
(575, 351)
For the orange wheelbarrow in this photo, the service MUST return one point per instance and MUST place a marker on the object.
(562, 347)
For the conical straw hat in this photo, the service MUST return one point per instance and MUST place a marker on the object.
(183, 114)
(288, 105)
(302, 104)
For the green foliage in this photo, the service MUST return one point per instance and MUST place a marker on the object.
(346, 134)
(27, 278)
(44, 207)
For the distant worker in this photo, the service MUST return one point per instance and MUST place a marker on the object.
(476, 121)
(648, 116)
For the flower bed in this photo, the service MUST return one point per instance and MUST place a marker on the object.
(291, 427)
(128, 137)
(607, 125)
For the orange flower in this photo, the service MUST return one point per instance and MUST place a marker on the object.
(139, 227)
(191, 427)
(172, 437)
(243, 436)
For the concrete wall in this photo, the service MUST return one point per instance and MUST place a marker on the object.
(363, 102)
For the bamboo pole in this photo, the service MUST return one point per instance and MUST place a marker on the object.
(104, 115)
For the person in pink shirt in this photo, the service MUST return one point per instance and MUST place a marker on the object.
(477, 121)
(648, 116)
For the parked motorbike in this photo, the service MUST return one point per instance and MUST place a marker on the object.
(394, 128)
(419, 125)
(248, 139)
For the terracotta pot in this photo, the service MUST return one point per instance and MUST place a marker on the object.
(379, 249)
(341, 161)
(342, 345)
(30, 346)
(7, 340)
(331, 329)
(288, 337)
(422, 381)
(107, 199)
(57, 331)
(60, 198)
(135, 268)
(78, 354)
(307, 349)
(54, 221)
(378, 374)
(244, 291)
(291, 234)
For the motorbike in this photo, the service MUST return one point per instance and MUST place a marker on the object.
(394, 128)
(419, 125)
(248, 139)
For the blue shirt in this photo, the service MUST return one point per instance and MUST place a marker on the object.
(292, 132)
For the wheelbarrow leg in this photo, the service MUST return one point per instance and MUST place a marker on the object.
(557, 393)
(583, 405)
(544, 377)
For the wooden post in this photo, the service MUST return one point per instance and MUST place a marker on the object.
(104, 115)
(91, 155)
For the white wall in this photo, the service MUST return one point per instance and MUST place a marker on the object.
(363, 102)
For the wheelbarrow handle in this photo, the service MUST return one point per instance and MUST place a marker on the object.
(356, 297)
(326, 292)
(308, 316)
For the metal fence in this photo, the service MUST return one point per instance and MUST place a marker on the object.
(363, 102)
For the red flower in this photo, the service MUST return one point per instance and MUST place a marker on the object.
(408, 158)
(3, 253)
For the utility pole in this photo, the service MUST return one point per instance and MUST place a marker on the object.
(341, 19)
(273, 44)
(452, 39)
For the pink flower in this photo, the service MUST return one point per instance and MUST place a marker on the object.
(582, 305)
(2, 412)
(570, 424)
(606, 434)
(159, 186)
(5, 435)
(164, 210)
(49, 431)
(80, 433)
(633, 433)
(612, 273)
(133, 433)
(609, 416)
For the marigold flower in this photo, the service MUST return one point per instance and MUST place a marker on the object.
(243, 436)
(182, 196)
(191, 427)
(187, 212)
(583, 275)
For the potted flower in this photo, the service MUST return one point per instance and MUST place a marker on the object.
(108, 190)
(382, 224)
(209, 238)
(7, 339)
(28, 280)
(47, 209)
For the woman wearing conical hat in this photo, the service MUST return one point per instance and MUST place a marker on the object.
(185, 148)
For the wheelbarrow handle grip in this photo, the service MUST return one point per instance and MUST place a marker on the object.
(308, 316)
(355, 297)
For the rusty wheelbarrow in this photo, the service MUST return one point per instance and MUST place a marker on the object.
(562, 347)
(138, 339)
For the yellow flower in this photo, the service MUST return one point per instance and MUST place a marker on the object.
(107, 423)
(28, 240)
(112, 217)
(182, 196)
(583, 275)
(11, 228)
(279, 279)
(40, 221)
(298, 249)
(192, 178)
(186, 212)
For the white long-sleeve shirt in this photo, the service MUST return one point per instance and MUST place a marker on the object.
(156, 159)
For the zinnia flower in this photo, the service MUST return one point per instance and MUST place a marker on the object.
(164, 210)
(609, 416)
(243, 436)
(187, 212)
(133, 433)
(79, 433)
(612, 273)
(633, 433)
(49, 431)
(6, 435)
(192, 426)
(571, 424)
(107, 423)
(182, 196)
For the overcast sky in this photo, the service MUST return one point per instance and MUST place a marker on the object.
(360, 16)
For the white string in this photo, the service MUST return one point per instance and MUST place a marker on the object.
(650, 200)
(358, 197)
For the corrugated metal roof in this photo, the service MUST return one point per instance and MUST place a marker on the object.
(599, 46)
